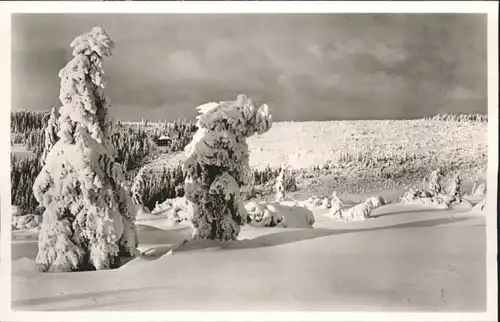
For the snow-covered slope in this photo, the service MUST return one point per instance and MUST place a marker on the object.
(408, 258)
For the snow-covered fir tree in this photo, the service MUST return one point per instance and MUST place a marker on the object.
(88, 221)
(435, 180)
(455, 190)
(280, 187)
(138, 186)
(217, 165)
(50, 134)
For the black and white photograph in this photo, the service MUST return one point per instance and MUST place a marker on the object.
(250, 161)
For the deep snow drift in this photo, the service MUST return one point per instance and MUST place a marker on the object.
(405, 257)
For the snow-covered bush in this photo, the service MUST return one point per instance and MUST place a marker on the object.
(259, 215)
(358, 212)
(325, 204)
(50, 134)
(415, 193)
(279, 214)
(455, 190)
(88, 221)
(313, 202)
(377, 201)
(427, 196)
(478, 189)
(336, 205)
(435, 181)
(217, 165)
(178, 209)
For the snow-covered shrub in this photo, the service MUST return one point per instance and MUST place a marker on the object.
(217, 165)
(358, 212)
(455, 190)
(50, 134)
(259, 215)
(178, 209)
(88, 221)
(313, 202)
(278, 214)
(478, 190)
(377, 201)
(325, 204)
(426, 196)
(336, 205)
(415, 193)
(435, 181)
(289, 180)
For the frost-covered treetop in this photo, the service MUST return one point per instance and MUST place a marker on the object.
(222, 129)
(97, 40)
(82, 84)
(239, 116)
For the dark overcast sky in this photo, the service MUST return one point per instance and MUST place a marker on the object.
(305, 66)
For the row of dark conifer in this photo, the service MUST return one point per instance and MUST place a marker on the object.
(134, 142)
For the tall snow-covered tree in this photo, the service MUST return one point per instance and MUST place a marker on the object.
(435, 180)
(455, 189)
(217, 165)
(138, 187)
(50, 134)
(280, 188)
(88, 222)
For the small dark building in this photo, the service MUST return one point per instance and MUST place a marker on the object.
(163, 141)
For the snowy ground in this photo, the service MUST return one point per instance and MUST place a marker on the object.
(315, 143)
(409, 258)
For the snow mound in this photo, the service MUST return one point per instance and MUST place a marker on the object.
(24, 265)
(284, 214)
(480, 207)
(358, 212)
(153, 236)
(463, 205)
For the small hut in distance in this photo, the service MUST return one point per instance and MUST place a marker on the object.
(164, 141)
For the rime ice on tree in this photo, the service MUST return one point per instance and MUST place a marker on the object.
(50, 134)
(217, 165)
(435, 181)
(455, 191)
(88, 222)
(280, 188)
(138, 186)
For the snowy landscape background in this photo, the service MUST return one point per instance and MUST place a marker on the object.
(364, 107)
